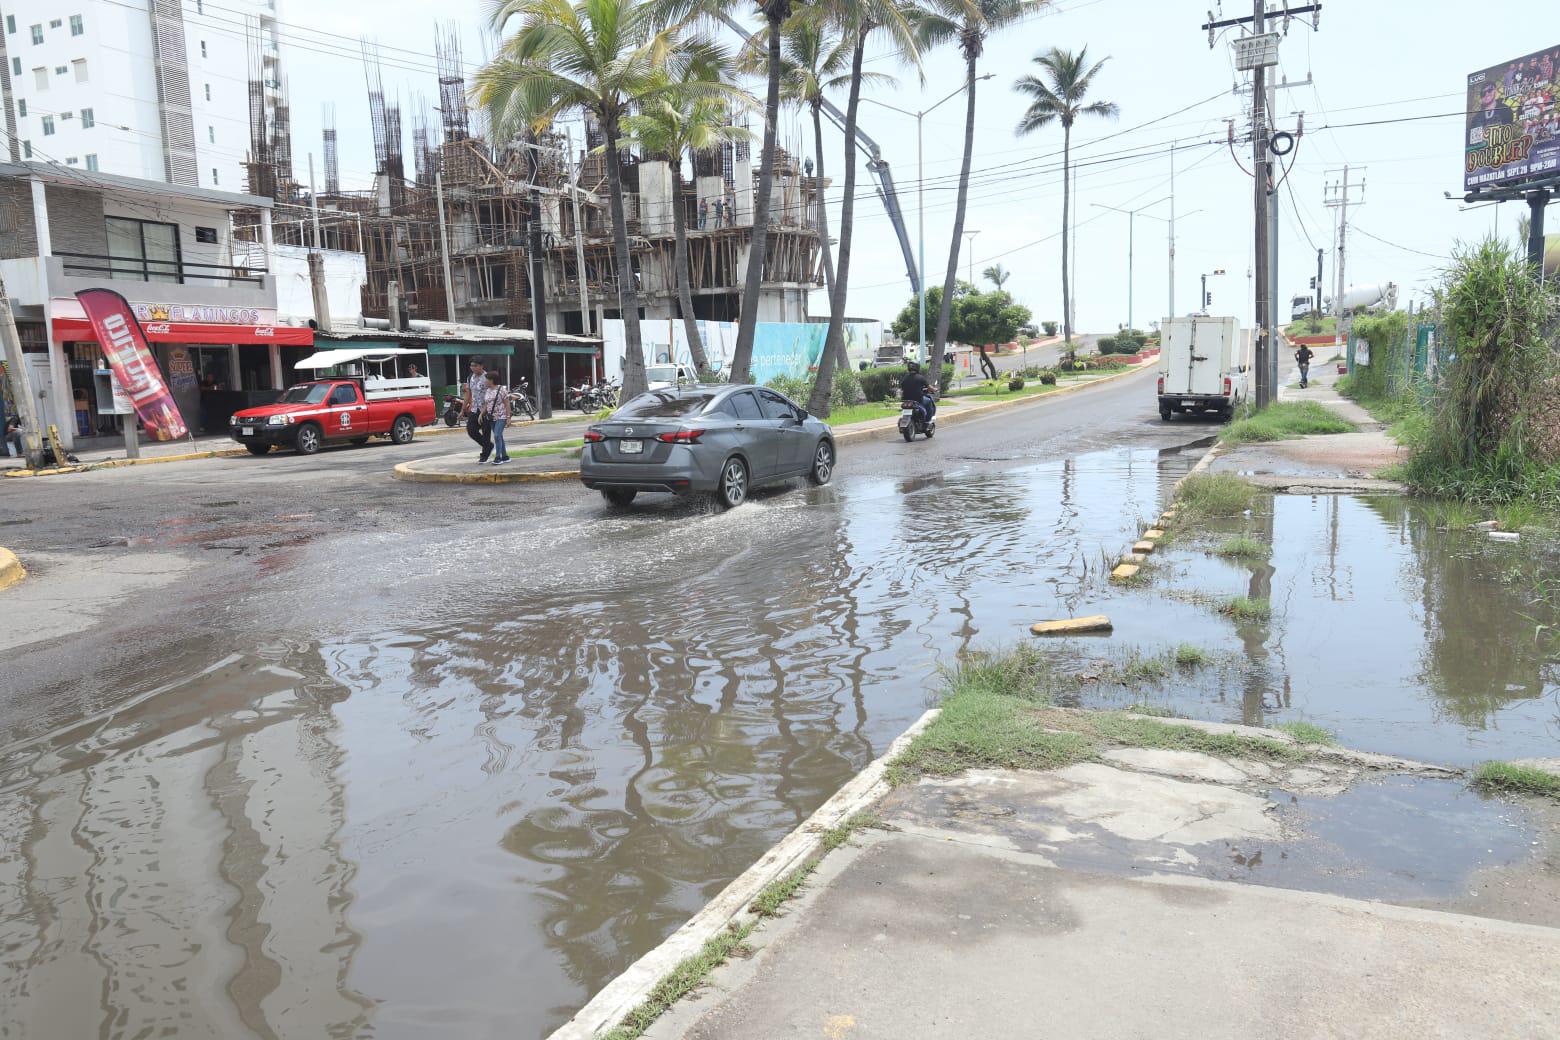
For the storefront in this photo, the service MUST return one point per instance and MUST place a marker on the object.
(217, 360)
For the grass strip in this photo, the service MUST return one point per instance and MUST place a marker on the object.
(1283, 420)
(679, 982)
(1244, 608)
(565, 448)
(1243, 548)
(1512, 779)
(1306, 733)
(1213, 494)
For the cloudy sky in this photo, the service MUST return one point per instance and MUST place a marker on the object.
(1386, 95)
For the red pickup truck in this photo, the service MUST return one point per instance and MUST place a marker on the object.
(310, 415)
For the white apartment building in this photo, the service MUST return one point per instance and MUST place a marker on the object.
(151, 89)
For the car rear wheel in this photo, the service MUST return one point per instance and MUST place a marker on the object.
(823, 463)
(733, 488)
(402, 429)
(619, 498)
(310, 439)
(258, 449)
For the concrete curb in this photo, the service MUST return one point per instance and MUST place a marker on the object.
(85, 467)
(620, 996)
(11, 569)
(408, 471)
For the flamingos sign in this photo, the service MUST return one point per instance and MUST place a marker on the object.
(124, 345)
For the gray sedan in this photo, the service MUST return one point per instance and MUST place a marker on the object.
(724, 440)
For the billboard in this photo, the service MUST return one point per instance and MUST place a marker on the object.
(1512, 132)
(130, 360)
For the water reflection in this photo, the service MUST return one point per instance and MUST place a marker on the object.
(462, 823)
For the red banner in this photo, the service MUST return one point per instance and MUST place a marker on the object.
(124, 345)
(67, 329)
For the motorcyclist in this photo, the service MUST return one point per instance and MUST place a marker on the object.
(1303, 359)
(916, 390)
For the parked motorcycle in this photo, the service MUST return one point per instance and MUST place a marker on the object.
(454, 405)
(913, 420)
(521, 404)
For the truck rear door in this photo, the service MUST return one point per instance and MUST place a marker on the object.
(1175, 348)
(1206, 357)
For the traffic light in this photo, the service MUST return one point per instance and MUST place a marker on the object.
(1207, 300)
(1313, 282)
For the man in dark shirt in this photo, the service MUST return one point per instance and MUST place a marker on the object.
(916, 389)
(1303, 357)
(13, 435)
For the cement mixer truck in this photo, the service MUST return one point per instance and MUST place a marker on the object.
(1359, 298)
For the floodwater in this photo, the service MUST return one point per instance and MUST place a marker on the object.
(1396, 633)
(459, 797)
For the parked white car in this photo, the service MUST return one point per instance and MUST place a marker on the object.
(662, 376)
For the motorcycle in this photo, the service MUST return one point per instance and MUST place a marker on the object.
(454, 406)
(521, 404)
(913, 420)
(572, 395)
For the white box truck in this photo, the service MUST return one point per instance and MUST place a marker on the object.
(1203, 366)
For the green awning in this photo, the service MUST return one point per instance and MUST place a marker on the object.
(470, 349)
(570, 348)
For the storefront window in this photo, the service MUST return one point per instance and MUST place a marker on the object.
(143, 250)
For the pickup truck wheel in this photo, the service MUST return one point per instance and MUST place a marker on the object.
(1165, 413)
(402, 429)
(258, 449)
(309, 440)
(360, 441)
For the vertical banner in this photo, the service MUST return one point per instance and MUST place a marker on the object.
(130, 359)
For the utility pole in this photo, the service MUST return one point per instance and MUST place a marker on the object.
(1170, 311)
(579, 236)
(1337, 197)
(444, 246)
(21, 389)
(969, 250)
(538, 267)
(1316, 288)
(316, 261)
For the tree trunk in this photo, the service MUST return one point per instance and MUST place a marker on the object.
(701, 364)
(1066, 214)
(628, 293)
(950, 281)
(822, 223)
(747, 321)
(834, 343)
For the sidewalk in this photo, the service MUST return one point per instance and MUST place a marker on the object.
(1163, 893)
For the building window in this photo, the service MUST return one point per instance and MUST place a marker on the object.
(41, 78)
(10, 24)
(60, 70)
(26, 149)
(48, 126)
(87, 121)
(211, 135)
(200, 6)
(143, 250)
(37, 33)
(92, 163)
(16, 68)
(203, 48)
(71, 160)
(21, 107)
(81, 69)
(214, 178)
(55, 23)
(208, 91)
(207, 235)
(67, 115)
(76, 28)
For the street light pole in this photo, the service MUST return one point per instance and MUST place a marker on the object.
(969, 249)
(920, 205)
(1131, 219)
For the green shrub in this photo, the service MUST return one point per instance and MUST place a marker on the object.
(1016, 383)
(794, 387)
(1049, 327)
(1048, 377)
(881, 384)
(846, 389)
(1106, 344)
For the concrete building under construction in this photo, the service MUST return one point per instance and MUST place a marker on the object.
(468, 206)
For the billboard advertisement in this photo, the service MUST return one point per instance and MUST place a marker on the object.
(1512, 132)
(131, 361)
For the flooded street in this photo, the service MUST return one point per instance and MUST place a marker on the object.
(447, 778)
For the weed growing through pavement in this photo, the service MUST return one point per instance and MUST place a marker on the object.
(681, 981)
(1514, 779)
(1306, 733)
(1213, 494)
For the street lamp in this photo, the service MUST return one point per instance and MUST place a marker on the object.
(1131, 219)
(920, 200)
(969, 253)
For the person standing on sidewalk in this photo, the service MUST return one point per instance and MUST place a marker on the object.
(497, 410)
(1303, 359)
(476, 394)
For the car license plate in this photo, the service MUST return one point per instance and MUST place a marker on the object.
(1188, 404)
(631, 447)
(247, 431)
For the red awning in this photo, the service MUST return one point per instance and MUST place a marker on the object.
(194, 332)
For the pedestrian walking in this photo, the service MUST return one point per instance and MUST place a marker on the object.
(497, 410)
(1303, 358)
(476, 394)
(704, 212)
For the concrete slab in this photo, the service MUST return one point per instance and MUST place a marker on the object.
(918, 937)
(1072, 626)
(1144, 547)
(1124, 571)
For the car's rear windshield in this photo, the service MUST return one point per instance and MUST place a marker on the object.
(306, 393)
(658, 405)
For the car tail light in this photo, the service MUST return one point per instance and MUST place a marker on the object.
(681, 437)
(1226, 386)
(1161, 384)
(593, 436)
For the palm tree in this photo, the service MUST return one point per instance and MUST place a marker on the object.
(859, 20)
(997, 275)
(668, 126)
(600, 56)
(969, 22)
(1062, 100)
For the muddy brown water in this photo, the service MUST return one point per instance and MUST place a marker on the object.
(459, 813)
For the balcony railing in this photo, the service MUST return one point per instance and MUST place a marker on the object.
(132, 269)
